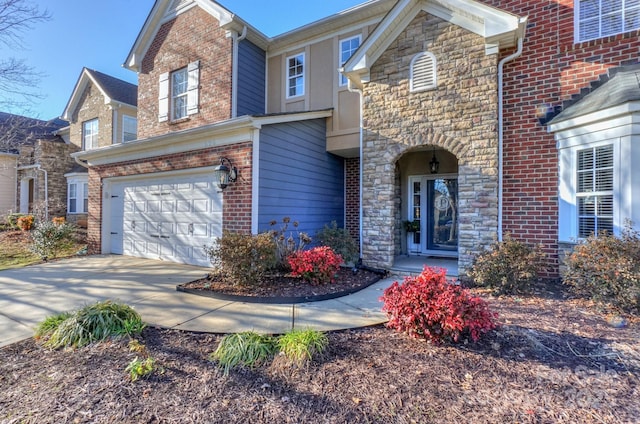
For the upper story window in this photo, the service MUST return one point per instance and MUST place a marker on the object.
(347, 48)
(129, 128)
(179, 93)
(90, 134)
(594, 192)
(601, 18)
(423, 72)
(295, 75)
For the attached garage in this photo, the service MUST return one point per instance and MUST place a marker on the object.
(169, 216)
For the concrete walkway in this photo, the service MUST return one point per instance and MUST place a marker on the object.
(30, 294)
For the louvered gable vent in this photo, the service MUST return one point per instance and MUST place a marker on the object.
(423, 72)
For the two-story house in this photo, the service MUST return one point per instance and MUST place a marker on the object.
(390, 111)
(102, 111)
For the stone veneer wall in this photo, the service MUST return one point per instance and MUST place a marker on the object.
(54, 156)
(91, 106)
(237, 206)
(460, 115)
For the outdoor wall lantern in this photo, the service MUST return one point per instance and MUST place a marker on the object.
(434, 165)
(547, 112)
(224, 174)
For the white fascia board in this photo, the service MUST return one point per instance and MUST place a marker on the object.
(601, 115)
(219, 134)
(77, 175)
(612, 129)
(259, 121)
(146, 35)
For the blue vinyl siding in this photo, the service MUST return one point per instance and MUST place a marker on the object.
(298, 178)
(251, 79)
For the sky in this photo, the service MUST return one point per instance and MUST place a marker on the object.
(99, 35)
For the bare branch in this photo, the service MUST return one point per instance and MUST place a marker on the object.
(17, 17)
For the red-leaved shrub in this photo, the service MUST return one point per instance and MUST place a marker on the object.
(318, 265)
(429, 307)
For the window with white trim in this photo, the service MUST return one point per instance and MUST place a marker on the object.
(129, 128)
(295, 75)
(422, 74)
(77, 194)
(594, 190)
(178, 93)
(348, 47)
(90, 134)
(601, 18)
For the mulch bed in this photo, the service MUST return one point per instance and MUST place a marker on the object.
(283, 288)
(554, 359)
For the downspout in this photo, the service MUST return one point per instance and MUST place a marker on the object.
(352, 89)
(236, 39)
(46, 186)
(509, 58)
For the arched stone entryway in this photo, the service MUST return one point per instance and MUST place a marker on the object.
(477, 197)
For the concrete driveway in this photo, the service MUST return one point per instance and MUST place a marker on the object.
(30, 294)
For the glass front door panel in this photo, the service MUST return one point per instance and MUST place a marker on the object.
(417, 209)
(443, 214)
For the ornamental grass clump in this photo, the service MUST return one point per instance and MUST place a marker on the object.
(300, 347)
(318, 265)
(93, 323)
(606, 269)
(430, 308)
(248, 348)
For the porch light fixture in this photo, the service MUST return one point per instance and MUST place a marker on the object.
(224, 174)
(434, 165)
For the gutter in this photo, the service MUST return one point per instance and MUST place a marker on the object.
(522, 23)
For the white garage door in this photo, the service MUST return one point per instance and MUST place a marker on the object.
(168, 218)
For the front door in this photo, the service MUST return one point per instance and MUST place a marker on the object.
(433, 203)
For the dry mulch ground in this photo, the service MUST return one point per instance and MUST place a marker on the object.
(553, 360)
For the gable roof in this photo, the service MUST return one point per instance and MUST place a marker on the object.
(114, 90)
(165, 10)
(17, 130)
(619, 88)
(499, 29)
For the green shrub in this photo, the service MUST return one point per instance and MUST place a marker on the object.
(93, 323)
(606, 268)
(140, 367)
(509, 266)
(429, 307)
(50, 238)
(248, 348)
(340, 241)
(244, 258)
(286, 243)
(301, 346)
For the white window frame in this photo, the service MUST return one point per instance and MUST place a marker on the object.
(167, 97)
(296, 77)
(341, 55)
(78, 191)
(626, 12)
(130, 121)
(90, 132)
(433, 63)
(178, 98)
(592, 193)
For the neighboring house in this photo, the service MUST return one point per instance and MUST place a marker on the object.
(33, 160)
(101, 111)
(390, 111)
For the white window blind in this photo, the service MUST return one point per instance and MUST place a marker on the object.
(601, 18)
(595, 190)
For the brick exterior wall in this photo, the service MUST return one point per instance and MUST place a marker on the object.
(551, 70)
(460, 116)
(237, 204)
(92, 106)
(352, 197)
(193, 35)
